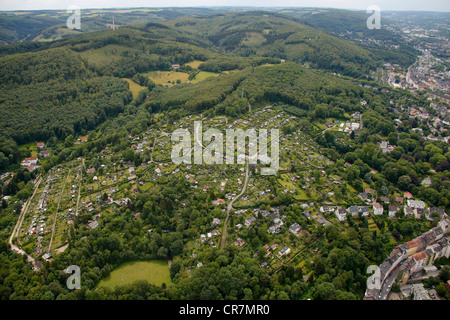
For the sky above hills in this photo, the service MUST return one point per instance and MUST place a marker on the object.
(403, 5)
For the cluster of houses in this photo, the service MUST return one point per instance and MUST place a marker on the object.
(284, 251)
(349, 127)
(277, 221)
(210, 235)
(386, 147)
(30, 163)
(422, 76)
(413, 208)
(410, 258)
(436, 123)
(42, 153)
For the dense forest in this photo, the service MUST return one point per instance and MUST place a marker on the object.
(279, 36)
(52, 94)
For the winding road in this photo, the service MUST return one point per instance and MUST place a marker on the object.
(230, 207)
(18, 225)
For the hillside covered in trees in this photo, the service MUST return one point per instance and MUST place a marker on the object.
(58, 86)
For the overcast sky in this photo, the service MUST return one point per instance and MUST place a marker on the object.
(417, 5)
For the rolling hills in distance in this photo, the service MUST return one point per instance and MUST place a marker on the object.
(223, 42)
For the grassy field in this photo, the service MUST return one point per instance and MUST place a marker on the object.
(155, 272)
(194, 64)
(106, 55)
(163, 77)
(134, 87)
(203, 75)
(31, 147)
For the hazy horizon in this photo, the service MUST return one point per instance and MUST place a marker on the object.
(401, 5)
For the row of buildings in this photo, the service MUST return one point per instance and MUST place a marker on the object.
(413, 208)
(409, 258)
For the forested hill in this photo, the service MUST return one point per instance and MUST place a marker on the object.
(261, 33)
(352, 26)
(300, 88)
(53, 93)
(47, 25)
(244, 34)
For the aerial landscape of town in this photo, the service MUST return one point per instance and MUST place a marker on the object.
(224, 153)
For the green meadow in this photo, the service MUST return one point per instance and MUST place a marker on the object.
(155, 272)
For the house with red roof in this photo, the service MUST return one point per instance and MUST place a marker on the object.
(29, 161)
(408, 195)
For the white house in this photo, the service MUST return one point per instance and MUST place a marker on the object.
(392, 210)
(377, 209)
(341, 214)
(416, 204)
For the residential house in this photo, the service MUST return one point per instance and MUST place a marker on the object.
(353, 210)
(408, 195)
(284, 251)
(341, 214)
(276, 227)
(325, 209)
(408, 211)
(249, 221)
(362, 196)
(216, 222)
(44, 154)
(295, 228)
(307, 215)
(32, 168)
(426, 181)
(218, 202)
(399, 200)
(377, 209)
(29, 161)
(435, 211)
(416, 204)
(385, 200)
(92, 224)
(392, 211)
(47, 256)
